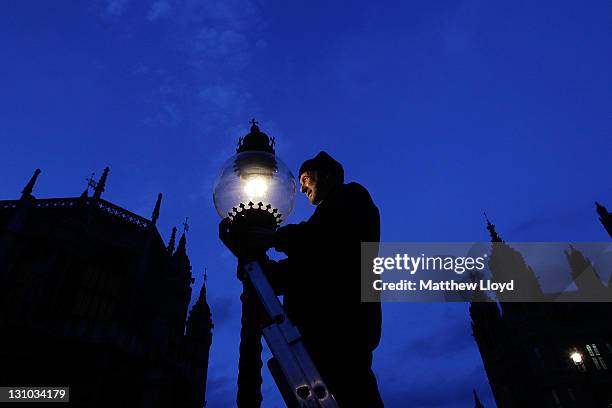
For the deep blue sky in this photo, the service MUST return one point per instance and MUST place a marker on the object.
(442, 109)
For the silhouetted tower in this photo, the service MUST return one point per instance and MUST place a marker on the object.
(498, 330)
(199, 332)
(528, 348)
(490, 334)
(507, 264)
(183, 267)
(199, 324)
(91, 297)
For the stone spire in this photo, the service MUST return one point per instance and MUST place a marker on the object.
(199, 323)
(27, 190)
(181, 259)
(604, 217)
(506, 264)
(101, 184)
(182, 265)
(601, 210)
(199, 335)
(477, 403)
(91, 183)
(182, 247)
(172, 241)
(155, 214)
(183, 241)
(492, 232)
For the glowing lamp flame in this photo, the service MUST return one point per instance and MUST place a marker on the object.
(256, 187)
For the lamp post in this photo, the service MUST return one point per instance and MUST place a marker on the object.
(254, 189)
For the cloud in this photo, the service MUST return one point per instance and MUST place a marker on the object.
(456, 29)
(159, 9)
(167, 95)
(443, 392)
(261, 44)
(449, 340)
(228, 47)
(239, 14)
(223, 97)
(168, 115)
(216, 35)
(443, 363)
(220, 392)
(222, 108)
(211, 44)
(115, 8)
(223, 310)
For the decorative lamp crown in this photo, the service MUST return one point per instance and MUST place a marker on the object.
(256, 140)
(255, 183)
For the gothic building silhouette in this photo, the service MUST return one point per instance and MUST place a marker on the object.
(528, 349)
(92, 298)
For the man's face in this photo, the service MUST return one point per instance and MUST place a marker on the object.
(312, 187)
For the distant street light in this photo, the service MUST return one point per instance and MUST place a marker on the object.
(576, 358)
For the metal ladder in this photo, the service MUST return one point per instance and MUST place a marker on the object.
(295, 374)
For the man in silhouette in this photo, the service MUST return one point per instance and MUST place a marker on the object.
(321, 278)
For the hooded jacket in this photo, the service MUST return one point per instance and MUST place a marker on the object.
(321, 279)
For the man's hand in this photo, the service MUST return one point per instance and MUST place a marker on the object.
(229, 237)
(245, 242)
(262, 238)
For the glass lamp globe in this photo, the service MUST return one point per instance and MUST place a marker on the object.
(255, 179)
